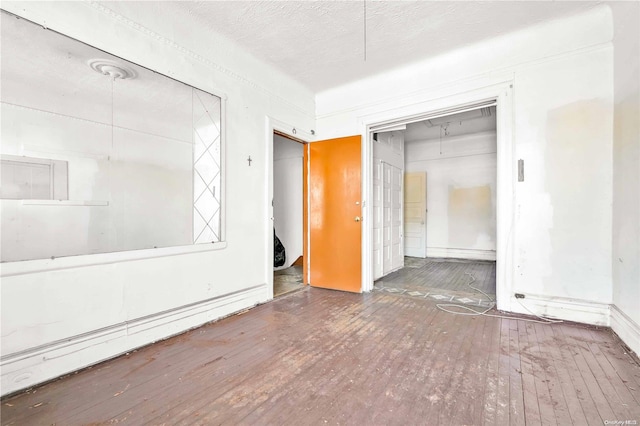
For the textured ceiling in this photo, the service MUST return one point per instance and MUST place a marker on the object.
(321, 43)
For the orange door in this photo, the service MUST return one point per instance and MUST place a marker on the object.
(335, 212)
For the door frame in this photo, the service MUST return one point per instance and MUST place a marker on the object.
(408, 107)
(287, 130)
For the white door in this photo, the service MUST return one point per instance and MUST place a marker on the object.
(392, 247)
(397, 246)
(415, 214)
(386, 219)
(377, 220)
(388, 170)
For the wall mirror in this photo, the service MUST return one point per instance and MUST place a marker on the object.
(99, 154)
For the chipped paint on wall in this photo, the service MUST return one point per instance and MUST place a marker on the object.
(461, 193)
(471, 216)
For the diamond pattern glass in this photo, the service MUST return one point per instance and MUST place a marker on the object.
(206, 167)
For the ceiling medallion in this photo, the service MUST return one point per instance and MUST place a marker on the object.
(112, 69)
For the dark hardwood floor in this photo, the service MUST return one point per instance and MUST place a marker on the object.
(325, 357)
(470, 282)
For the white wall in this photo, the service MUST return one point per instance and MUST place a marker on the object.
(461, 193)
(626, 173)
(60, 315)
(287, 196)
(562, 101)
(389, 148)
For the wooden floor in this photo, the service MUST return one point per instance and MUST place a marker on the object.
(471, 282)
(325, 357)
(287, 280)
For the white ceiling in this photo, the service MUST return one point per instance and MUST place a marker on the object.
(321, 43)
(464, 123)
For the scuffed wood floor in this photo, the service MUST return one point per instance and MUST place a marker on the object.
(325, 357)
(443, 276)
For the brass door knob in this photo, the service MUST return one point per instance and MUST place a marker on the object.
(357, 219)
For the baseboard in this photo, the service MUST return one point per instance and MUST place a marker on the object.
(626, 328)
(24, 369)
(461, 253)
(564, 308)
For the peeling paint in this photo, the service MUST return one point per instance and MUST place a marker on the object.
(470, 215)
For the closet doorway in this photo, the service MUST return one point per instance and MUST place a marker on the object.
(434, 193)
(289, 195)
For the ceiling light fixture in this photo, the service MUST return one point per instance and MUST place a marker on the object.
(112, 69)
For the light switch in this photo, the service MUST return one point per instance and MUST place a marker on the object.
(520, 170)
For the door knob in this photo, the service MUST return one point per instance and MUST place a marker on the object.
(357, 219)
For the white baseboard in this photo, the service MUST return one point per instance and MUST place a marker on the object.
(461, 253)
(626, 328)
(24, 369)
(564, 308)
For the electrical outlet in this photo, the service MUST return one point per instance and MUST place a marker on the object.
(519, 296)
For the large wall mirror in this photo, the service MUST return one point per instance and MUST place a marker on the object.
(101, 155)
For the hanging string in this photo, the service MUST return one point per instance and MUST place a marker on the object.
(365, 29)
(113, 80)
(111, 155)
(444, 127)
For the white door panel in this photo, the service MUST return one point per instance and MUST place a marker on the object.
(377, 221)
(393, 258)
(388, 173)
(397, 249)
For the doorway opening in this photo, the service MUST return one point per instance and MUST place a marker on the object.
(434, 205)
(289, 212)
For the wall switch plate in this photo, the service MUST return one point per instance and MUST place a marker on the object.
(520, 170)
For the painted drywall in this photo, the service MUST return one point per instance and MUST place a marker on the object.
(561, 74)
(287, 196)
(461, 193)
(626, 171)
(60, 315)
